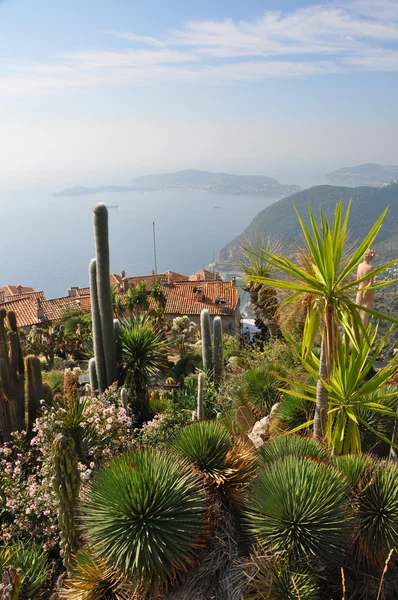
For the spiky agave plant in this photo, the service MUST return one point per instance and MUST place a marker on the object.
(291, 445)
(211, 448)
(302, 508)
(261, 389)
(357, 469)
(145, 514)
(276, 580)
(34, 565)
(94, 579)
(377, 531)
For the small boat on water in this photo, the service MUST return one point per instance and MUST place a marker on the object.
(111, 206)
(217, 207)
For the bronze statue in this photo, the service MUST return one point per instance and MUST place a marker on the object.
(365, 298)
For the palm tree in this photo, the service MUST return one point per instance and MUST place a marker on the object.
(144, 353)
(331, 286)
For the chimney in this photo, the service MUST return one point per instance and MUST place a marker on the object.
(153, 273)
(123, 274)
(19, 289)
(233, 282)
(39, 310)
(125, 284)
(169, 278)
(72, 291)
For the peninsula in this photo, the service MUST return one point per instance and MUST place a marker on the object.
(220, 183)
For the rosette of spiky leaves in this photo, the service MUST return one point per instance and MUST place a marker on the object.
(351, 392)
(94, 579)
(261, 389)
(293, 412)
(33, 562)
(145, 513)
(300, 507)
(211, 448)
(357, 469)
(292, 445)
(274, 579)
(377, 531)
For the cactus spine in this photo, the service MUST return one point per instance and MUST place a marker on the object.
(207, 353)
(218, 350)
(102, 382)
(104, 291)
(200, 409)
(92, 372)
(66, 483)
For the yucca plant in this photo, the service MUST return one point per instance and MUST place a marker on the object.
(34, 565)
(211, 448)
(291, 445)
(260, 388)
(330, 286)
(377, 532)
(352, 393)
(356, 468)
(144, 354)
(274, 579)
(300, 507)
(94, 579)
(145, 514)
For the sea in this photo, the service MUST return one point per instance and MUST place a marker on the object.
(47, 242)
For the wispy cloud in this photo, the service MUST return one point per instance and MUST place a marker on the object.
(335, 38)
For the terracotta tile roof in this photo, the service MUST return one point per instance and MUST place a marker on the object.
(204, 275)
(32, 295)
(83, 291)
(182, 299)
(175, 276)
(26, 308)
(55, 308)
(25, 311)
(15, 290)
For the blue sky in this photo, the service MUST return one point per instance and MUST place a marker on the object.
(93, 89)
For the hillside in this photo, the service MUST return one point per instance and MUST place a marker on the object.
(279, 220)
(368, 174)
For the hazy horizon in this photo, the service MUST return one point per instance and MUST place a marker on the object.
(95, 93)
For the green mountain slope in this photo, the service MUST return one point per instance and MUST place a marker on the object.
(279, 220)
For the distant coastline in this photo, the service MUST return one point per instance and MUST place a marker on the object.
(218, 183)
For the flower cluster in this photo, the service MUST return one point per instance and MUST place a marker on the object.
(100, 427)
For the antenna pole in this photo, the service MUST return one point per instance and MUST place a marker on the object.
(154, 247)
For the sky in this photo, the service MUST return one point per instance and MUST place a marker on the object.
(102, 90)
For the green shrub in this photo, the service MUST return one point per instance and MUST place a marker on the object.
(231, 346)
(187, 365)
(186, 397)
(145, 514)
(55, 380)
(302, 508)
(164, 428)
(291, 445)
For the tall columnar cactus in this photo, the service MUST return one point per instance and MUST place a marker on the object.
(102, 380)
(34, 389)
(207, 352)
(12, 398)
(119, 359)
(104, 291)
(123, 397)
(66, 483)
(200, 409)
(92, 372)
(218, 350)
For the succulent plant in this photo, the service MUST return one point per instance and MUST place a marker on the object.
(200, 410)
(105, 308)
(302, 508)
(145, 514)
(211, 448)
(218, 350)
(92, 373)
(292, 445)
(66, 483)
(207, 351)
(102, 380)
(31, 568)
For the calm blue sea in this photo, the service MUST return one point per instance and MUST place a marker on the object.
(47, 242)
